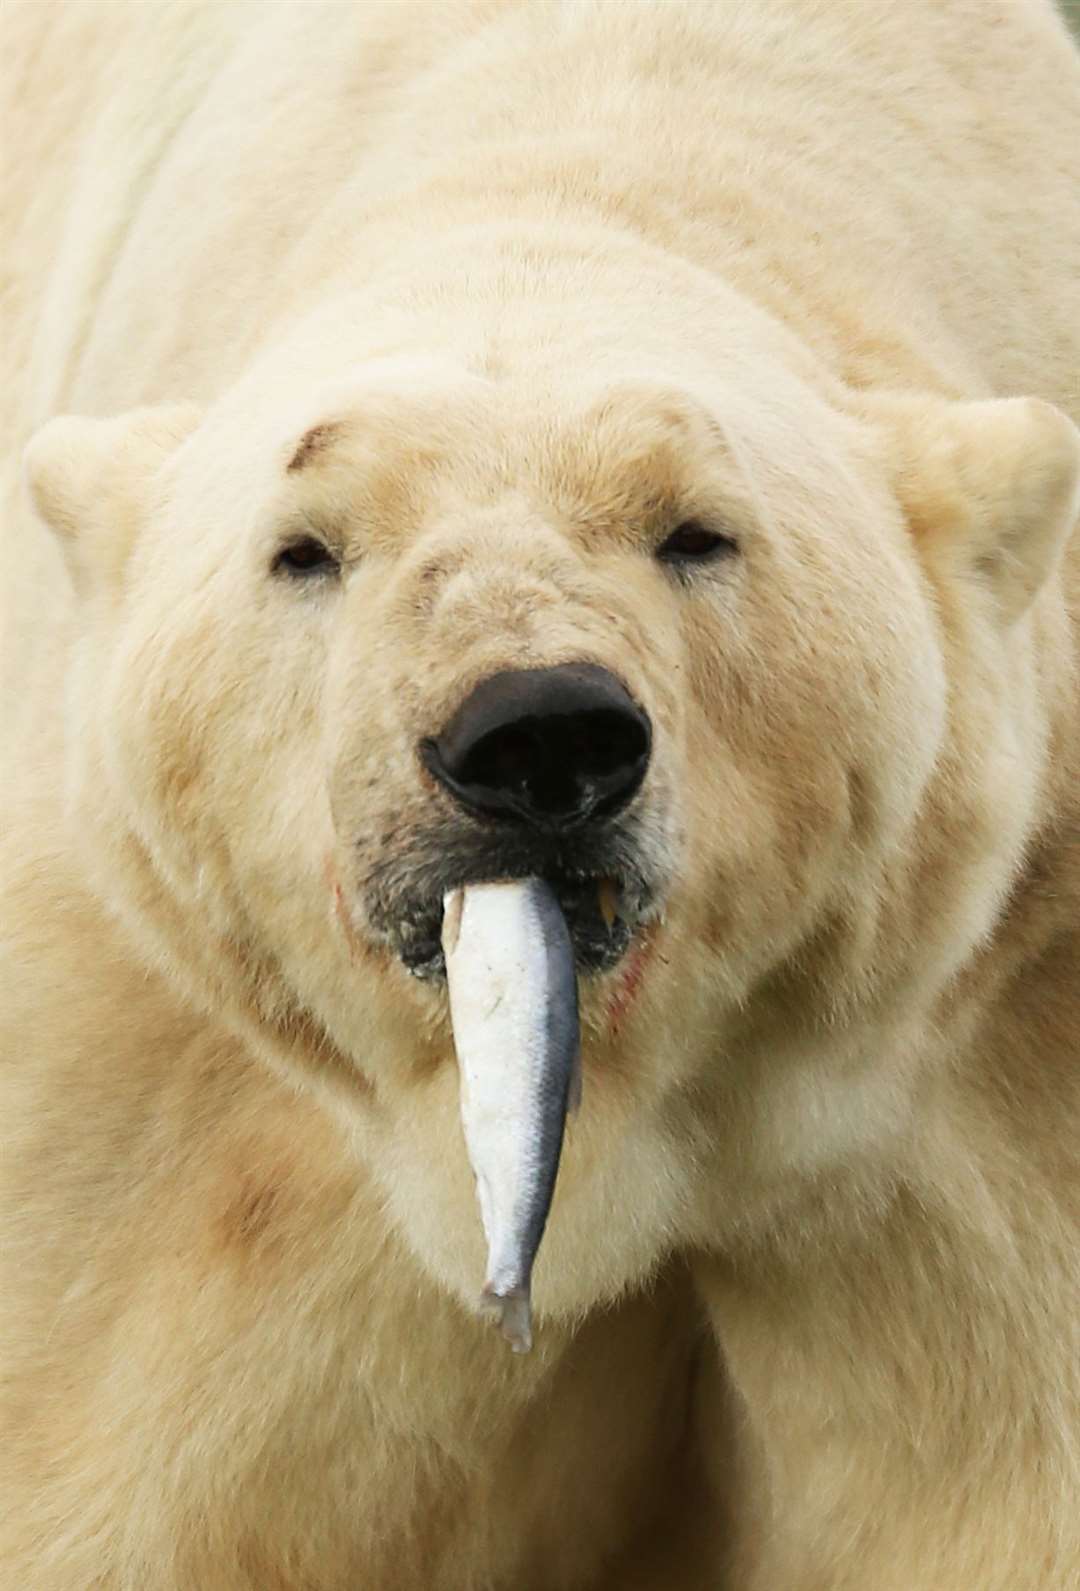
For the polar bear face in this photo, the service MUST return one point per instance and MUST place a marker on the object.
(808, 612)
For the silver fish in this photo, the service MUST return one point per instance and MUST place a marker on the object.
(513, 1007)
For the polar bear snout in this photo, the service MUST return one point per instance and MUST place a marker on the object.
(602, 863)
(548, 747)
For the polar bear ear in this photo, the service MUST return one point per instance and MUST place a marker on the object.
(993, 487)
(88, 480)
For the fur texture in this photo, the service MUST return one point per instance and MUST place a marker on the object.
(490, 297)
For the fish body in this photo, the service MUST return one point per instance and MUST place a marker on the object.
(513, 1007)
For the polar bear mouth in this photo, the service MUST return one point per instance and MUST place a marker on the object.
(605, 894)
(599, 943)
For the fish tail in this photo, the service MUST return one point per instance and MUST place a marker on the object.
(512, 1312)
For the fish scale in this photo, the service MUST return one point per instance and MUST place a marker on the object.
(513, 1007)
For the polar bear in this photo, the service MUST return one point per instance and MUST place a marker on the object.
(365, 357)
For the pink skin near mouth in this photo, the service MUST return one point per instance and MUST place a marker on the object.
(357, 950)
(343, 917)
(629, 984)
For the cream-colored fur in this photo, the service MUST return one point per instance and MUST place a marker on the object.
(491, 296)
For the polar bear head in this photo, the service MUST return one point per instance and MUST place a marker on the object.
(754, 674)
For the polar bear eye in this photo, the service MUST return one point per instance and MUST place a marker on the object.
(691, 542)
(307, 555)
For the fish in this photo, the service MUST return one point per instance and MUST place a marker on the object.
(512, 984)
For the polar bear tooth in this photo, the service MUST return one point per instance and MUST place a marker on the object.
(513, 1008)
(608, 894)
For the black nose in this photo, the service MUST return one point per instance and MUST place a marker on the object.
(546, 746)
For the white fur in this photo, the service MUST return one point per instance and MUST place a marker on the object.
(551, 278)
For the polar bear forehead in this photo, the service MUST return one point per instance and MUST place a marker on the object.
(417, 399)
(403, 435)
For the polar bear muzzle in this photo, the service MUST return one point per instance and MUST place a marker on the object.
(537, 774)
